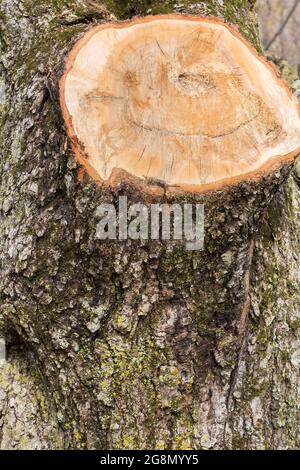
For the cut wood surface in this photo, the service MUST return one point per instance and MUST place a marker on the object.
(185, 100)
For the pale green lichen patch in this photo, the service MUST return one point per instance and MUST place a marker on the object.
(290, 74)
(28, 423)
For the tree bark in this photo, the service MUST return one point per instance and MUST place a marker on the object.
(130, 345)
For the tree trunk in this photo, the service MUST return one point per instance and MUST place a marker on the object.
(135, 345)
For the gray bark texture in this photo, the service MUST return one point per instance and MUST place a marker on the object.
(130, 345)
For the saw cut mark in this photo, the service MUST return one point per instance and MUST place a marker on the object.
(183, 99)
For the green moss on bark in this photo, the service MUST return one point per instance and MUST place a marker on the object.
(237, 12)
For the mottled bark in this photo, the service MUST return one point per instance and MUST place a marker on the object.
(127, 344)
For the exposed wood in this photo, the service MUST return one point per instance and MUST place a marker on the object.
(184, 100)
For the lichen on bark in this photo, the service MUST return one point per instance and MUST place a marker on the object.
(135, 345)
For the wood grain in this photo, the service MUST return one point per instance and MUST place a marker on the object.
(184, 100)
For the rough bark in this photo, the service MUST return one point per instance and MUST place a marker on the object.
(128, 344)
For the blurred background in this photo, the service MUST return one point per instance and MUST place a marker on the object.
(280, 29)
